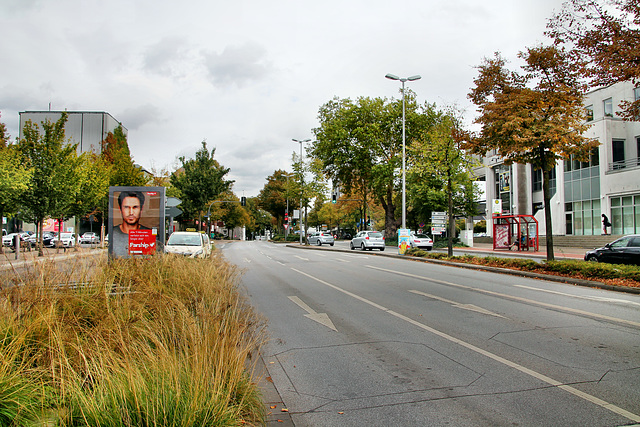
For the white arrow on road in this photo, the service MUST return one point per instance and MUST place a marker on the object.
(469, 307)
(321, 318)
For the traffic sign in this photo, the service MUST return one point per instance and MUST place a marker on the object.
(172, 202)
(172, 211)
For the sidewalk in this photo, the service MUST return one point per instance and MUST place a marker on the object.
(559, 252)
(8, 257)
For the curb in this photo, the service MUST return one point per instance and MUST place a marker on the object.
(499, 270)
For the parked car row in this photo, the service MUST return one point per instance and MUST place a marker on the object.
(50, 239)
(9, 239)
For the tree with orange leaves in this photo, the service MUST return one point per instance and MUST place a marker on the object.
(534, 117)
(605, 36)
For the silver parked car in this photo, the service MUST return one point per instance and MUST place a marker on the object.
(320, 238)
(89, 237)
(421, 241)
(368, 240)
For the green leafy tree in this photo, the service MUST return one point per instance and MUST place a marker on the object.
(275, 193)
(604, 36)
(308, 184)
(15, 178)
(55, 180)
(360, 146)
(536, 117)
(115, 151)
(260, 218)
(95, 174)
(199, 182)
(441, 170)
(4, 135)
(233, 214)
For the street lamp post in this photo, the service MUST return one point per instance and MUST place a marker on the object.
(404, 191)
(301, 182)
(286, 230)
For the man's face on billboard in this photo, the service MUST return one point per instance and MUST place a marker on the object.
(131, 210)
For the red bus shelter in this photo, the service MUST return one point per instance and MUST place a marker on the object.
(515, 232)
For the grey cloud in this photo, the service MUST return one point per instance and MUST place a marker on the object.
(16, 98)
(237, 64)
(136, 117)
(166, 56)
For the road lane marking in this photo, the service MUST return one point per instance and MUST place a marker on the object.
(555, 383)
(515, 298)
(303, 259)
(587, 297)
(321, 318)
(470, 307)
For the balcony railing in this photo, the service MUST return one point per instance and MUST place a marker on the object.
(622, 165)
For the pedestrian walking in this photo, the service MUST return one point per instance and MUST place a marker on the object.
(605, 224)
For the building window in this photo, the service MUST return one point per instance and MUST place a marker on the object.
(636, 93)
(537, 179)
(617, 154)
(589, 113)
(625, 214)
(608, 107)
(536, 183)
(503, 186)
(583, 218)
(594, 160)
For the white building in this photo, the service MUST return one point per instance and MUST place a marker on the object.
(85, 128)
(608, 183)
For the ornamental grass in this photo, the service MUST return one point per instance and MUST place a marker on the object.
(165, 341)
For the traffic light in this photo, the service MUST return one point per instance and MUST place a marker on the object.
(286, 218)
(243, 201)
(334, 198)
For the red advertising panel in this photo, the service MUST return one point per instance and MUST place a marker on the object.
(133, 210)
(142, 242)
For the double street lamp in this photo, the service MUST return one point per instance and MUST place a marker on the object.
(404, 196)
(301, 181)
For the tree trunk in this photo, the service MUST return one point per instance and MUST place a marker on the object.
(390, 221)
(452, 218)
(77, 228)
(40, 224)
(547, 213)
(1, 245)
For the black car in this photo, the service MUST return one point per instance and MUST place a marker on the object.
(46, 239)
(625, 250)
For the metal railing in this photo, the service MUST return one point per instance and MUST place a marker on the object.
(621, 165)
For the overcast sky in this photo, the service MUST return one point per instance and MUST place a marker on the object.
(247, 76)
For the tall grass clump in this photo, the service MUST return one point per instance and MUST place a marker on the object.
(165, 341)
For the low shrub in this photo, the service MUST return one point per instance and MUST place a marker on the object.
(574, 268)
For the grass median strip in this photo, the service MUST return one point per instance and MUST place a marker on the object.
(174, 350)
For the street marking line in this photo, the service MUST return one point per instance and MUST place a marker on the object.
(515, 298)
(470, 307)
(586, 396)
(303, 259)
(591, 298)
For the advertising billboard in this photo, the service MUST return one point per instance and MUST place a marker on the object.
(136, 221)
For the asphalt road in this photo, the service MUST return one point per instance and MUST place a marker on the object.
(358, 339)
